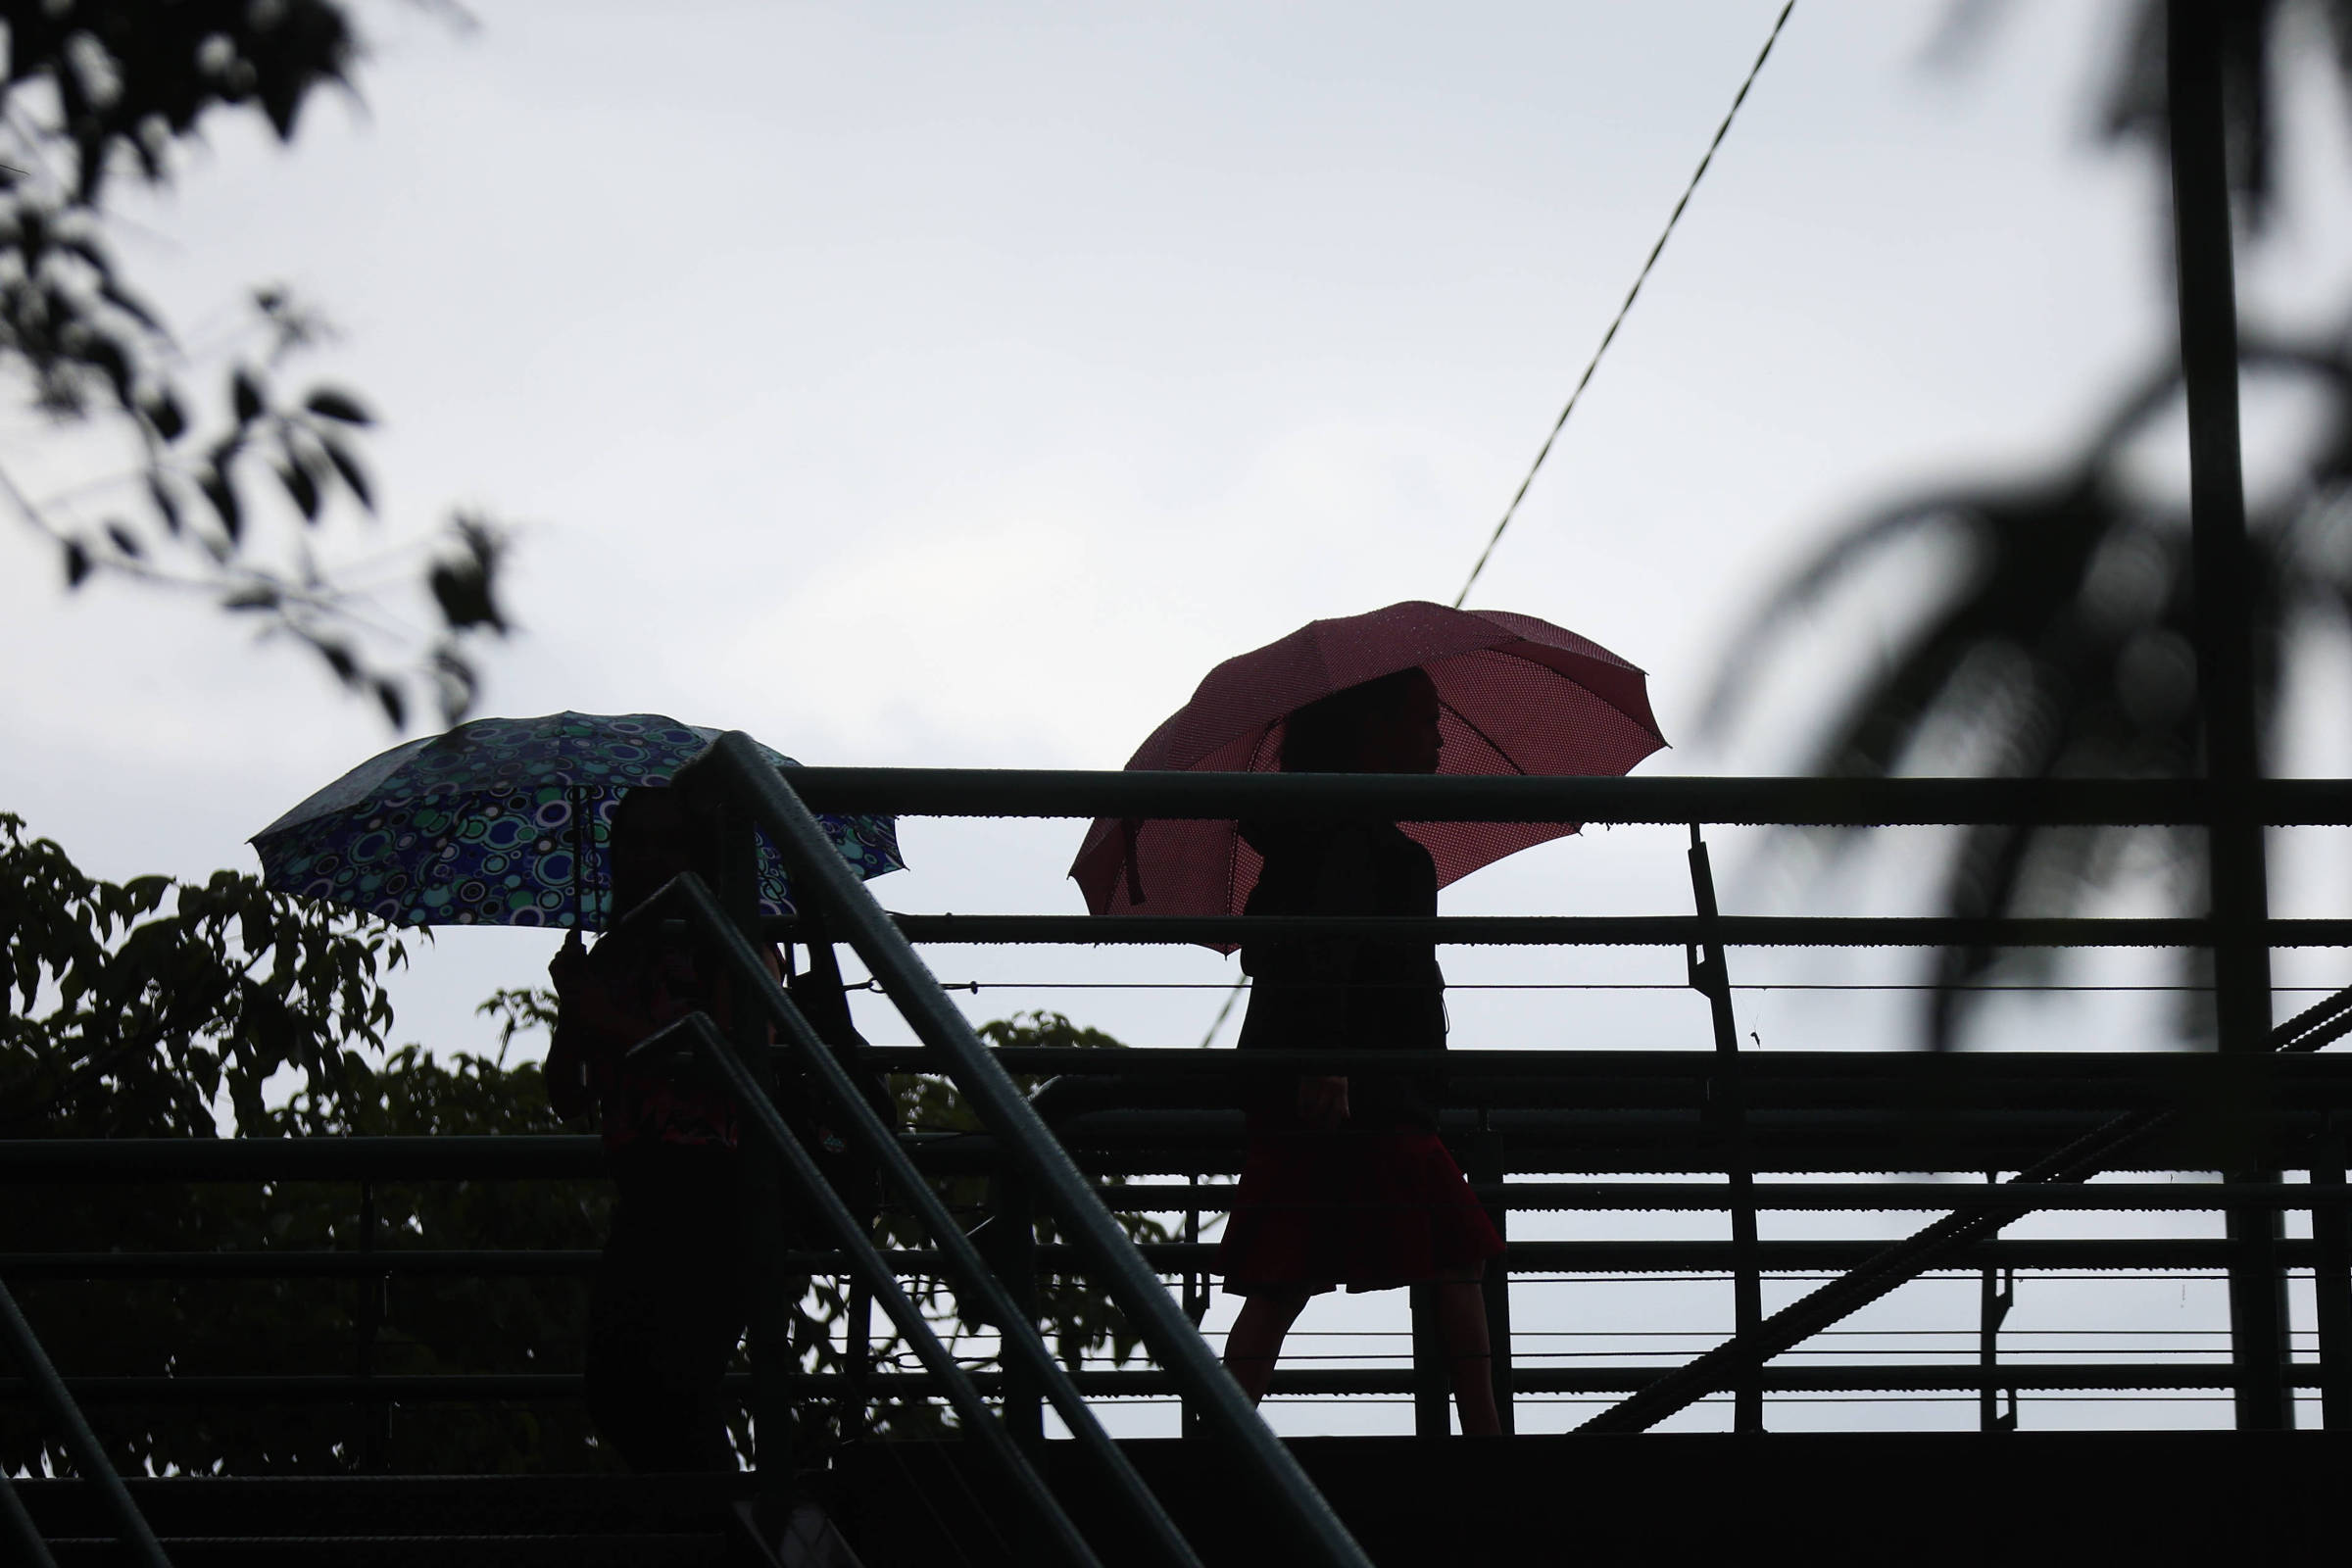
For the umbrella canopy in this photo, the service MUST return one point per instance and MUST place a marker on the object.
(1517, 695)
(507, 821)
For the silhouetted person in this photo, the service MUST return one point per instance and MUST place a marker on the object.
(1345, 1182)
(670, 1294)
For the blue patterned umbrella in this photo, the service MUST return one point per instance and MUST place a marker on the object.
(507, 821)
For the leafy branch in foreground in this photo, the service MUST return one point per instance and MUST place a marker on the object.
(223, 494)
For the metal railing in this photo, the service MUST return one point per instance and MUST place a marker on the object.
(748, 796)
(1521, 1120)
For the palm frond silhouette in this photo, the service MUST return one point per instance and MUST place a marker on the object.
(2063, 646)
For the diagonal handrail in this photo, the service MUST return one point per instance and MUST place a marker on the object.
(1907, 1259)
(18, 1532)
(711, 1050)
(735, 764)
(88, 1455)
(976, 1285)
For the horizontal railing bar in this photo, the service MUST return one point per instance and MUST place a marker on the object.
(452, 1387)
(1795, 1257)
(435, 1158)
(1520, 1197)
(1578, 930)
(2165, 1070)
(1794, 1198)
(1656, 799)
(1141, 1199)
(299, 1264)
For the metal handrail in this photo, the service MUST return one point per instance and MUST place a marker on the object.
(977, 1283)
(1962, 1373)
(1585, 930)
(81, 1444)
(1591, 1256)
(17, 1531)
(759, 1111)
(1656, 800)
(735, 764)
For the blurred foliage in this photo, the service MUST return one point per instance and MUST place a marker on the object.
(135, 1009)
(2259, 38)
(98, 93)
(2062, 645)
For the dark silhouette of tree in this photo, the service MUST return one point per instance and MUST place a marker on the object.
(220, 491)
(2062, 646)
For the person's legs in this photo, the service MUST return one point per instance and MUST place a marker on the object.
(1255, 1341)
(1462, 1326)
(667, 1311)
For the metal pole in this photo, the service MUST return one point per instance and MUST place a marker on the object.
(1196, 1299)
(1014, 1255)
(2331, 1286)
(17, 1531)
(1727, 1108)
(962, 1264)
(1298, 1510)
(2226, 686)
(1054, 1526)
(81, 1444)
(1432, 1417)
(1996, 1294)
(1487, 1170)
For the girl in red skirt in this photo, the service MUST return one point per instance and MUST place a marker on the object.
(1345, 1182)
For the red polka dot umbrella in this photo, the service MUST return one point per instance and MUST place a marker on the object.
(1517, 695)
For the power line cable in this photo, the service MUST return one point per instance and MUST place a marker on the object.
(1632, 294)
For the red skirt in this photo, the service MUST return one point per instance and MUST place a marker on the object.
(1370, 1210)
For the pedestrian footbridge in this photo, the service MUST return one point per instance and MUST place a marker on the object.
(1720, 1137)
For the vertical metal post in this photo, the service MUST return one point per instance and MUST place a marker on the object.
(1015, 1257)
(1996, 1294)
(762, 1215)
(1486, 1169)
(1433, 1380)
(2331, 1285)
(857, 1364)
(2226, 686)
(1727, 1110)
(376, 1416)
(1012, 1252)
(1196, 1295)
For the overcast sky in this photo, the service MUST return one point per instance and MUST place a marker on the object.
(924, 385)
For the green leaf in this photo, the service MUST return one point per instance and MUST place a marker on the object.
(302, 488)
(354, 476)
(245, 394)
(165, 506)
(329, 403)
(165, 414)
(395, 707)
(221, 492)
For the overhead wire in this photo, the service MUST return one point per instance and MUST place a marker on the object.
(1632, 294)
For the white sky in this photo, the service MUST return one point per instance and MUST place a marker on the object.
(915, 386)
